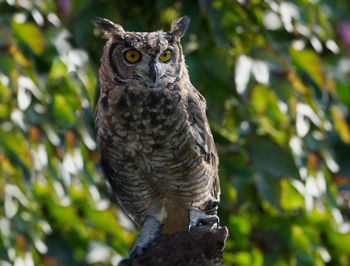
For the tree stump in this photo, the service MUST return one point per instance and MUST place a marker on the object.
(204, 245)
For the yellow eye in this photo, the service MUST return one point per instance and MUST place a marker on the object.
(165, 56)
(132, 56)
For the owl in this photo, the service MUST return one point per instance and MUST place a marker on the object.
(157, 150)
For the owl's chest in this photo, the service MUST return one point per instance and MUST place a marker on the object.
(145, 122)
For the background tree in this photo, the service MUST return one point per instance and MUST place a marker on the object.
(276, 78)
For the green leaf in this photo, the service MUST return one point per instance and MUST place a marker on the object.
(291, 199)
(67, 218)
(252, 258)
(269, 158)
(63, 111)
(301, 242)
(29, 34)
(309, 62)
(270, 191)
(215, 16)
(242, 259)
(104, 220)
(16, 148)
(343, 90)
(58, 70)
(267, 113)
(340, 124)
(240, 228)
(229, 126)
(340, 241)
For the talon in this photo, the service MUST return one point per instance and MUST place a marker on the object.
(201, 217)
(212, 220)
(191, 224)
(217, 222)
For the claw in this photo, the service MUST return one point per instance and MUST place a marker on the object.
(192, 224)
(214, 219)
(201, 217)
(217, 222)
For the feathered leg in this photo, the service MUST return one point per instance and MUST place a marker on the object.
(150, 231)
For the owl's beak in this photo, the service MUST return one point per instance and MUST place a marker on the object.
(153, 71)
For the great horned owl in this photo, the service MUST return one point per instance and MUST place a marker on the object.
(157, 150)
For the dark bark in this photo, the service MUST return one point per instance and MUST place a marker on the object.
(202, 246)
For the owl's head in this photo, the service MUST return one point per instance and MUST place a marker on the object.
(148, 59)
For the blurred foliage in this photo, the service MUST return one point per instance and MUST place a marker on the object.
(276, 76)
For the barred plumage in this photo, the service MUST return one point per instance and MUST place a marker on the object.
(157, 150)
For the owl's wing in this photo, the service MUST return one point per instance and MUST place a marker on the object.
(203, 136)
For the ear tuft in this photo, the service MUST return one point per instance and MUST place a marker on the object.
(179, 27)
(108, 27)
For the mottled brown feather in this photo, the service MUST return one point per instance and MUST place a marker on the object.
(157, 150)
